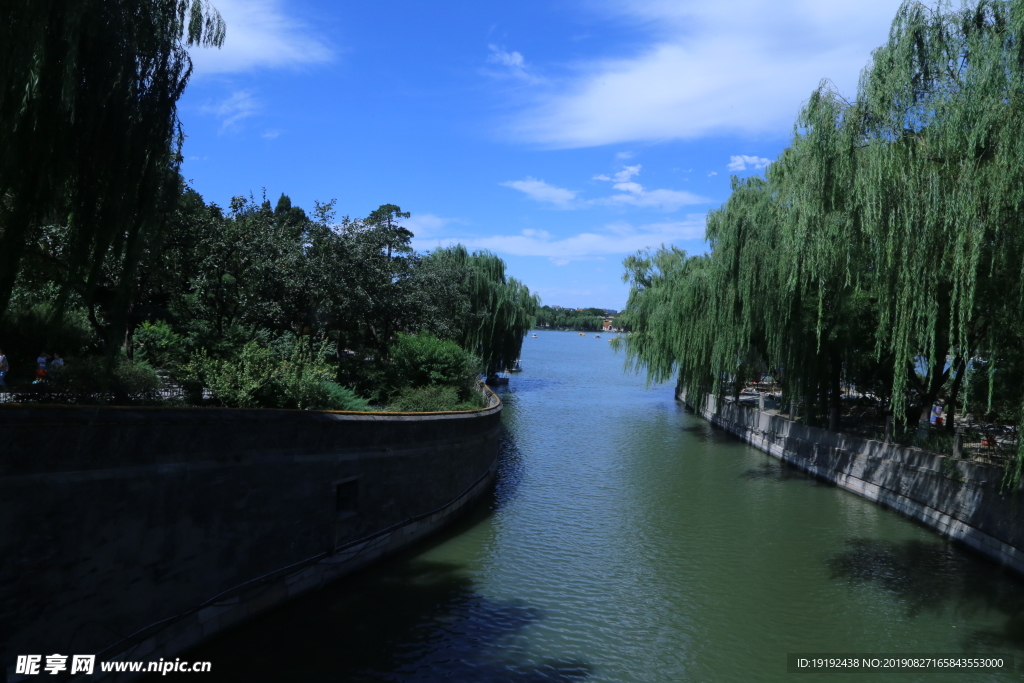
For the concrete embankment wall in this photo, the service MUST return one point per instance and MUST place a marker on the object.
(135, 533)
(960, 500)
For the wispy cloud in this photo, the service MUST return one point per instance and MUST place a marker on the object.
(512, 60)
(425, 225)
(540, 191)
(633, 194)
(270, 134)
(741, 162)
(513, 64)
(238, 105)
(616, 239)
(622, 176)
(260, 34)
(742, 67)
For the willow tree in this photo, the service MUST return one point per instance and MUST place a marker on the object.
(489, 313)
(89, 133)
(942, 103)
(884, 246)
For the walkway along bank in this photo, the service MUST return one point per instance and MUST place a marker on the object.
(134, 533)
(960, 500)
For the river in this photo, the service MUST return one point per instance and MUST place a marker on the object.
(627, 540)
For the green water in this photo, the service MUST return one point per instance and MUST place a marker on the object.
(627, 540)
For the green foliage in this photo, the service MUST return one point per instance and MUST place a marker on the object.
(434, 398)
(482, 309)
(95, 380)
(588, 320)
(303, 381)
(91, 137)
(236, 382)
(29, 328)
(337, 397)
(886, 239)
(261, 377)
(159, 345)
(422, 359)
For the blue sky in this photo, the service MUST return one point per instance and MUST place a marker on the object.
(562, 135)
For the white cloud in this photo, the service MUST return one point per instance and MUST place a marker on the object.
(425, 225)
(540, 191)
(622, 176)
(712, 173)
(618, 239)
(513, 62)
(633, 194)
(270, 134)
(238, 105)
(741, 162)
(260, 35)
(741, 67)
(667, 200)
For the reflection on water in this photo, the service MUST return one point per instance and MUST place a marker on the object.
(350, 633)
(938, 579)
(781, 471)
(627, 540)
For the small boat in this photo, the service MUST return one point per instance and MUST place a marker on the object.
(534, 336)
(497, 380)
(582, 335)
(597, 336)
(516, 367)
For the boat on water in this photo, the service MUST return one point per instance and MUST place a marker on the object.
(497, 380)
(534, 336)
(597, 336)
(582, 335)
(516, 367)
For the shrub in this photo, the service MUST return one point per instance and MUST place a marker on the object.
(433, 398)
(235, 382)
(91, 380)
(259, 377)
(337, 397)
(29, 329)
(159, 345)
(422, 359)
(304, 381)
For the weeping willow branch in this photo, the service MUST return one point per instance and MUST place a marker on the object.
(873, 243)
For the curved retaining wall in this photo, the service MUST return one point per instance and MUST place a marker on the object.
(135, 533)
(961, 500)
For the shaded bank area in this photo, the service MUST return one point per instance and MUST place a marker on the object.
(136, 533)
(959, 499)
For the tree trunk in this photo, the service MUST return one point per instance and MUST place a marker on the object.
(835, 388)
(960, 365)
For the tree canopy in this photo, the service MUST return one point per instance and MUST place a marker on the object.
(89, 129)
(882, 248)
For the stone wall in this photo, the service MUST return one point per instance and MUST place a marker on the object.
(134, 533)
(959, 499)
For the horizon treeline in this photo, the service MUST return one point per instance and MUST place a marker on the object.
(586, 320)
(882, 250)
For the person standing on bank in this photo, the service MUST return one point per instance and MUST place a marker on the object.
(56, 363)
(4, 367)
(41, 362)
